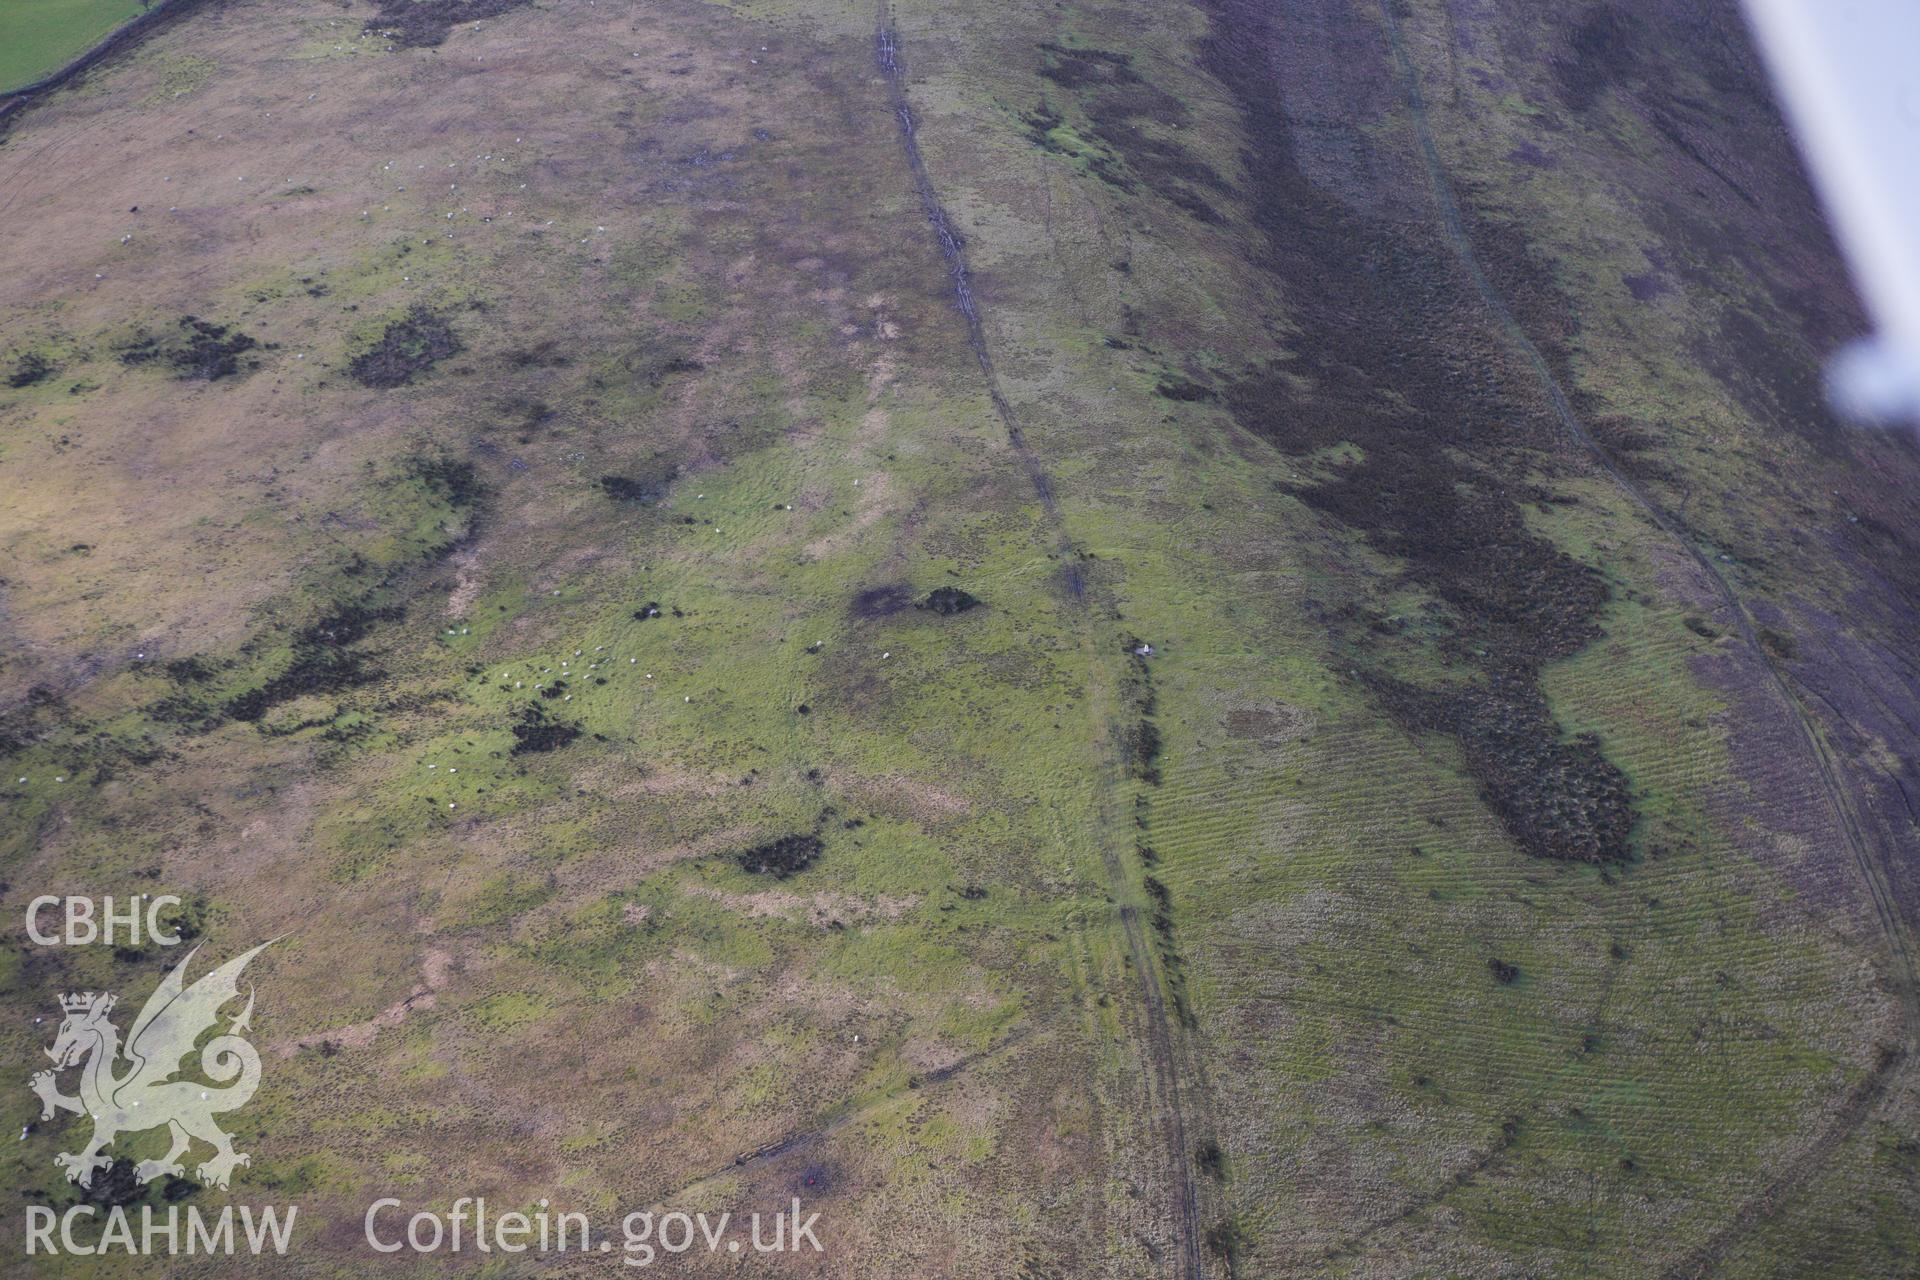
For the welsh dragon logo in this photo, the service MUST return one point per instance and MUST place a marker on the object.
(149, 1092)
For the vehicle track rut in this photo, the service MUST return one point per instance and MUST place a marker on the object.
(1160, 1048)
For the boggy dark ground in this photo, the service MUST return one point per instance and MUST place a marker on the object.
(1390, 351)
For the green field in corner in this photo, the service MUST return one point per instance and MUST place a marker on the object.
(38, 37)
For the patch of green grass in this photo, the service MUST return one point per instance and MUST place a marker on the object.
(180, 75)
(505, 897)
(509, 1010)
(38, 37)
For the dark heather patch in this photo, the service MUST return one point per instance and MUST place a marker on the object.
(1041, 122)
(645, 482)
(420, 24)
(1117, 101)
(1524, 278)
(1556, 794)
(1161, 918)
(1646, 286)
(324, 661)
(1226, 1239)
(192, 669)
(1779, 644)
(946, 601)
(1600, 53)
(452, 480)
(1632, 446)
(188, 704)
(536, 732)
(631, 489)
(1182, 389)
(116, 1186)
(1775, 381)
(781, 858)
(31, 369)
(1393, 352)
(410, 346)
(1081, 68)
(879, 602)
(27, 723)
(212, 351)
(1139, 738)
(1530, 154)
(324, 658)
(1140, 749)
(676, 365)
(202, 350)
(525, 415)
(543, 355)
